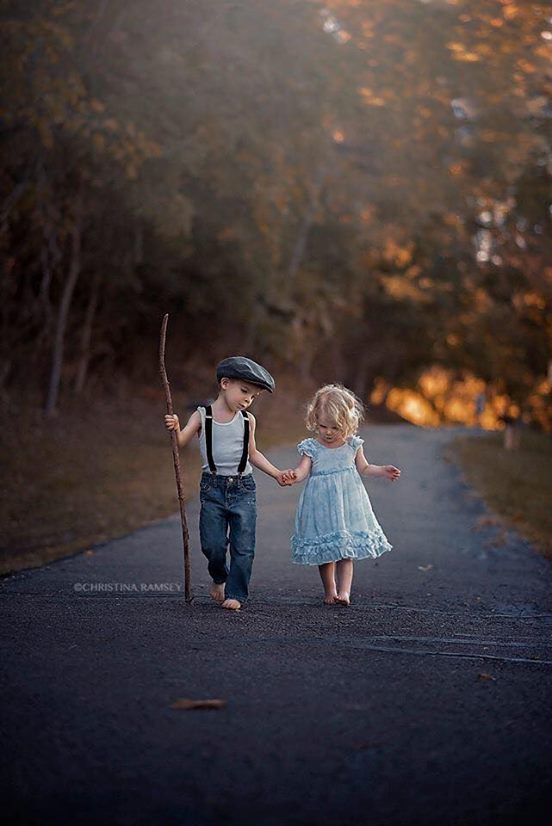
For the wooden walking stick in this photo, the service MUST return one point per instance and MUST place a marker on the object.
(176, 460)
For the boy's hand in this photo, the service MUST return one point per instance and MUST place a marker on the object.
(391, 472)
(171, 422)
(286, 477)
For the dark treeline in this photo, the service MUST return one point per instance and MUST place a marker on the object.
(354, 192)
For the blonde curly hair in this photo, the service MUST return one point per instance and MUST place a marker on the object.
(340, 405)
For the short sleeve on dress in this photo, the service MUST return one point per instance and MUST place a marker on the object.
(355, 442)
(307, 448)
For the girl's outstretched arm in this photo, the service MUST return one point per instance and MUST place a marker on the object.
(366, 469)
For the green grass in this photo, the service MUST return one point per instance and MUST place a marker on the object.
(516, 484)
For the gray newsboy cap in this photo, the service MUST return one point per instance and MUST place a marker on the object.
(239, 367)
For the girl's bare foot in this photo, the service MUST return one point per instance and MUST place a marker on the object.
(343, 598)
(231, 604)
(329, 599)
(216, 591)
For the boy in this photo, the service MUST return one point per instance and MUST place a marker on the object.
(227, 488)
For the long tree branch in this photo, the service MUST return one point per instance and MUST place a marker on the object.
(176, 462)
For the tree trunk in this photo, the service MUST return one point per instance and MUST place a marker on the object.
(50, 407)
(50, 256)
(359, 382)
(308, 219)
(305, 365)
(511, 436)
(86, 335)
(138, 246)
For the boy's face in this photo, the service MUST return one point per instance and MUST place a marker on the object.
(239, 395)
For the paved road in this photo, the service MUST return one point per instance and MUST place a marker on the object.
(426, 702)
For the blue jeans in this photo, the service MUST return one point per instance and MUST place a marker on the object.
(228, 516)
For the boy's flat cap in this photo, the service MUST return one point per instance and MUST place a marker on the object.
(240, 367)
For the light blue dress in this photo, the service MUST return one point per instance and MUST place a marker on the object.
(334, 517)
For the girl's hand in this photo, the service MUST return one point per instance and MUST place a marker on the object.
(171, 422)
(286, 477)
(391, 472)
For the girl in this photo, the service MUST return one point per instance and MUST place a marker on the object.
(335, 523)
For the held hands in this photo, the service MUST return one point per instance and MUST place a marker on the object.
(171, 422)
(286, 477)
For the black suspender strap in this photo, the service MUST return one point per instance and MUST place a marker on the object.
(209, 438)
(245, 453)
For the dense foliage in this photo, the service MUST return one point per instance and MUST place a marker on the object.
(352, 191)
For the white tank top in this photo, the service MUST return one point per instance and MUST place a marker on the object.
(227, 445)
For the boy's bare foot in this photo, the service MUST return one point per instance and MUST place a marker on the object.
(231, 604)
(216, 592)
(343, 598)
(329, 599)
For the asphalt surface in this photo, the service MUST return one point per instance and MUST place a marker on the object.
(427, 701)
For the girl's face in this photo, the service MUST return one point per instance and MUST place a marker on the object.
(239, 395)
(328, 431)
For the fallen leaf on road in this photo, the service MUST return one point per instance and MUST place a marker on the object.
(484, 676)
(425, 567)
(484, 521)
(197, 704)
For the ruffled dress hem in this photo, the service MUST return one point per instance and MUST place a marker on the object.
(339, 545)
